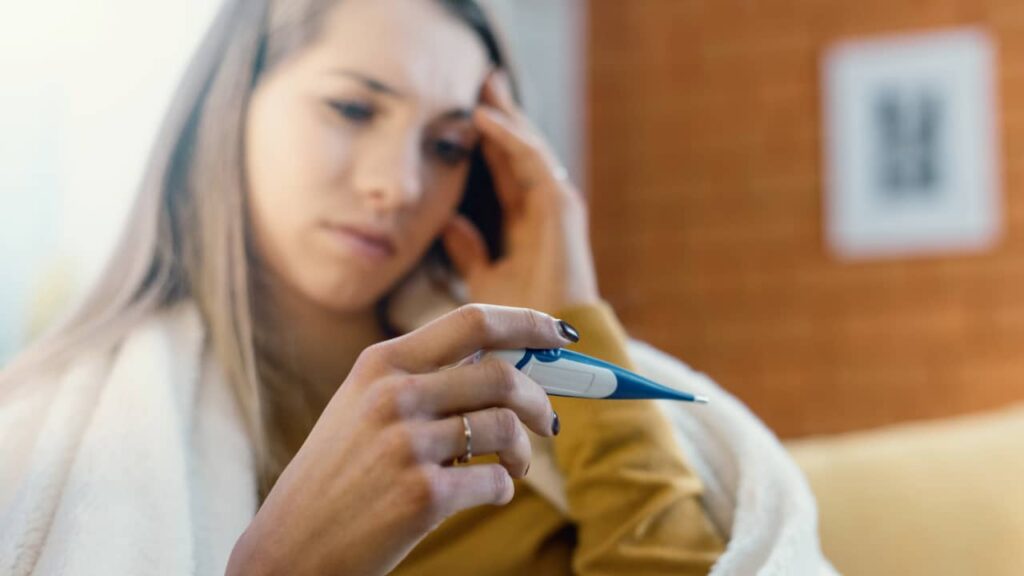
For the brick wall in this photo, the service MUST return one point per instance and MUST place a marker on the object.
(705, 179)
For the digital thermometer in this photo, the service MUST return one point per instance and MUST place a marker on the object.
(566, 373)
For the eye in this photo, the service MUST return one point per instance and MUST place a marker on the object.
(354, 111)
(451, 153)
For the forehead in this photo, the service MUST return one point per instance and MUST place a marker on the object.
(414, 46)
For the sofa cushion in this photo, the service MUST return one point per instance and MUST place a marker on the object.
(939, 498)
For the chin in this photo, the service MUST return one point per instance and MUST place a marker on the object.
(346, 299)
(345, 293)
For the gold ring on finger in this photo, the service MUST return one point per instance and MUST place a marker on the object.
(469, 442)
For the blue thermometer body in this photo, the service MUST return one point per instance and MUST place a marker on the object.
(566, 373)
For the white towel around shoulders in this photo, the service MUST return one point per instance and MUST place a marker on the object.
(137, 462)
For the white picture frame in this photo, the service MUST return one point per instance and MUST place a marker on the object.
(912, 154)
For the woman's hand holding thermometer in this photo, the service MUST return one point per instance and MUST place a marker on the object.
(566, 373)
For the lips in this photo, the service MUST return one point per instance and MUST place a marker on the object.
(365, 241)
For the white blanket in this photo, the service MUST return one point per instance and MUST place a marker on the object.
(137, 462)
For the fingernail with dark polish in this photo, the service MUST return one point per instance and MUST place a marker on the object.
(556, 426)
(568, 332)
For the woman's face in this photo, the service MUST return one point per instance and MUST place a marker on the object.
(357, 148)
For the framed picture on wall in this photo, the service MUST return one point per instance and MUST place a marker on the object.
(911, 145)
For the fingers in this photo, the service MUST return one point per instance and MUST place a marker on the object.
(507, 189)
(502, 122)
(494, 431)
(469, 486)
(491, 383)
(465, 246)
(457, 334)
(501, 139)
(501, 129)
(497, 91)
(518, 156)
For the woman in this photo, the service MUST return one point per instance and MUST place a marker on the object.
(321, 156)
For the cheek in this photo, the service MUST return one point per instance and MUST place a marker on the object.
(288, 164)
(291, 159)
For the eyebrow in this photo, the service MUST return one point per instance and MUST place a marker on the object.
(371, 83)
(382, 88)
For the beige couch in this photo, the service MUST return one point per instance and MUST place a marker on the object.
(938, 498)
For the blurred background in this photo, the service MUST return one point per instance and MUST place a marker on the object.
(875, 324)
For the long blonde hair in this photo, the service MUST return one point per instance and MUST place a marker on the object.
(186, 236)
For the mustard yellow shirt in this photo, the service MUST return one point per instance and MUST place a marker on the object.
(634, 505)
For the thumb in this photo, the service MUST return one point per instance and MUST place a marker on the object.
(465, 246)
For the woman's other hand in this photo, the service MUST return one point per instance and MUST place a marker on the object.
(373, 477)
(548, 264)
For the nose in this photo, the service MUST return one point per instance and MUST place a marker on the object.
(387, 174)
